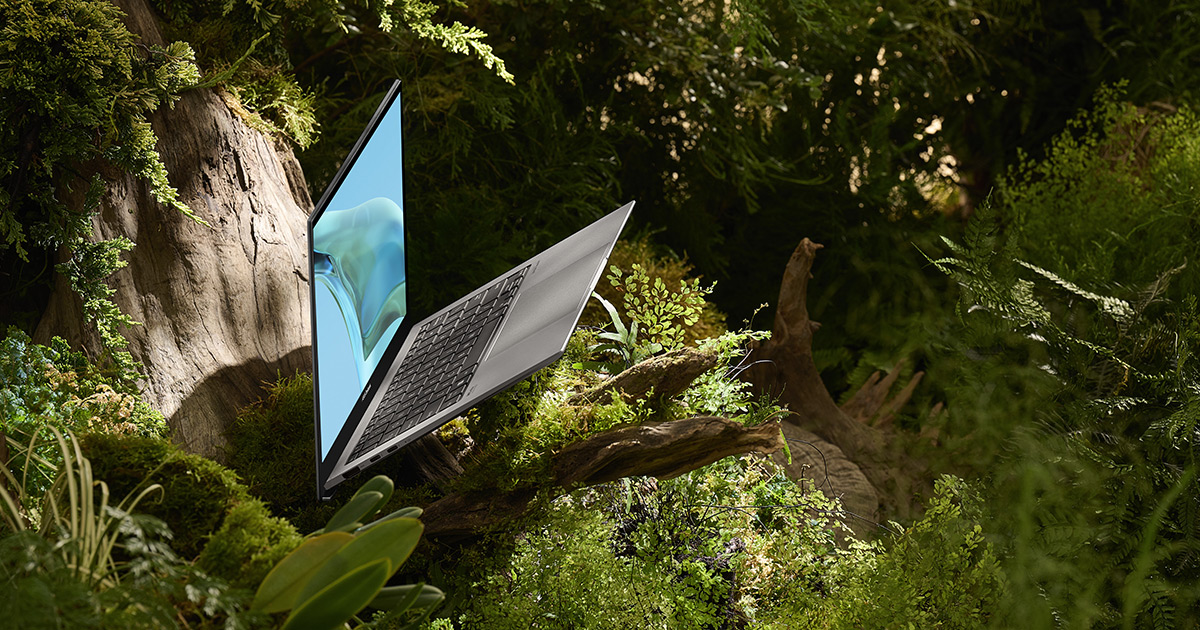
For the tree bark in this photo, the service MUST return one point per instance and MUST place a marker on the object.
(783, 367)
(223, 308)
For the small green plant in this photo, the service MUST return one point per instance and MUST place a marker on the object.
(343, 567)
(663, 313)
(45, 387)
(86, 520)
(77, 560)
(622, 346)
(719, 391)
(659, 314)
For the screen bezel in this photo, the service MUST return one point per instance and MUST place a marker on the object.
(324, 466)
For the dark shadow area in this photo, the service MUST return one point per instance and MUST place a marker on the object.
(200, 423)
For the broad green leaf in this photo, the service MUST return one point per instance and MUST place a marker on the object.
(407, 512)
(278, 590)
(612, 313)
(354, 512)
(331, 606)
(393, 540)
(381, 484)
(401, 598)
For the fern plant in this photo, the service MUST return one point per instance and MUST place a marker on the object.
(621, 346)
(1106, 485)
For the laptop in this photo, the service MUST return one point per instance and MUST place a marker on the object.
(384, 375)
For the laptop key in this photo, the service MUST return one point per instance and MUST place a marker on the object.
(440, 364)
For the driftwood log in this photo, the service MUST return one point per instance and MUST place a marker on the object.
(663, 450)
(666, 375)
(783, 367)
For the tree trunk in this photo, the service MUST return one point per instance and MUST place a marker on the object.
(223, 308)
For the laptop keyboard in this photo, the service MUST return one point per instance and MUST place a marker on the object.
(440, 364)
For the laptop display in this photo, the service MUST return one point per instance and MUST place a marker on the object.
(358, 275)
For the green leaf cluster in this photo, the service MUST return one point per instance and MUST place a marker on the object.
(343, 567)
(47, 388)
(78, 89)
(663, 312)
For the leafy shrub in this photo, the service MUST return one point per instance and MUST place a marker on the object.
(91, 563)
(44, 387)
(938, 573)
(640, 274)
(79, 88)
(664, 312)
(1078, 268)
(344, 566)
(1119, 179)
(720, 392)
(733, 545)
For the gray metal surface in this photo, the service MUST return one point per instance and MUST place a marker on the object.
(533, 334)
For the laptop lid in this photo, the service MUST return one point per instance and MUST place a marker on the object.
(358, 287)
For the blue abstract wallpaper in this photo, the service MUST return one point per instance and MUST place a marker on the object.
(359, 275)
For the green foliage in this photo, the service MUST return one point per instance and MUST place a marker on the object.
(89, 265)
(344, 566)
(1098, 532)
(720, 392)
(663, 312)
(92, 564)
(1119, 178)
(198, 493)
(248, 46)
(938, 573)
(664, 317)
(271, 448)
(734, 544)
(156, 590)
(622, 345)
(47, 388)
(78, 88)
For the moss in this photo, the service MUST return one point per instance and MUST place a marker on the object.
(271, 447)
(249, 543)
(197, 492)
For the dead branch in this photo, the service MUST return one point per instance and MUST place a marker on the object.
(870, 404)
(663, 450)
(783, 367)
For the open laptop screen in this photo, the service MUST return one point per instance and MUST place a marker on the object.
(358, 268)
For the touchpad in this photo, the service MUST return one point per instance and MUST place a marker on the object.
(547, 302)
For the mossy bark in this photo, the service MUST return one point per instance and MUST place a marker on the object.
(663, 450)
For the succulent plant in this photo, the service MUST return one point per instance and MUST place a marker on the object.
(343, 567)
